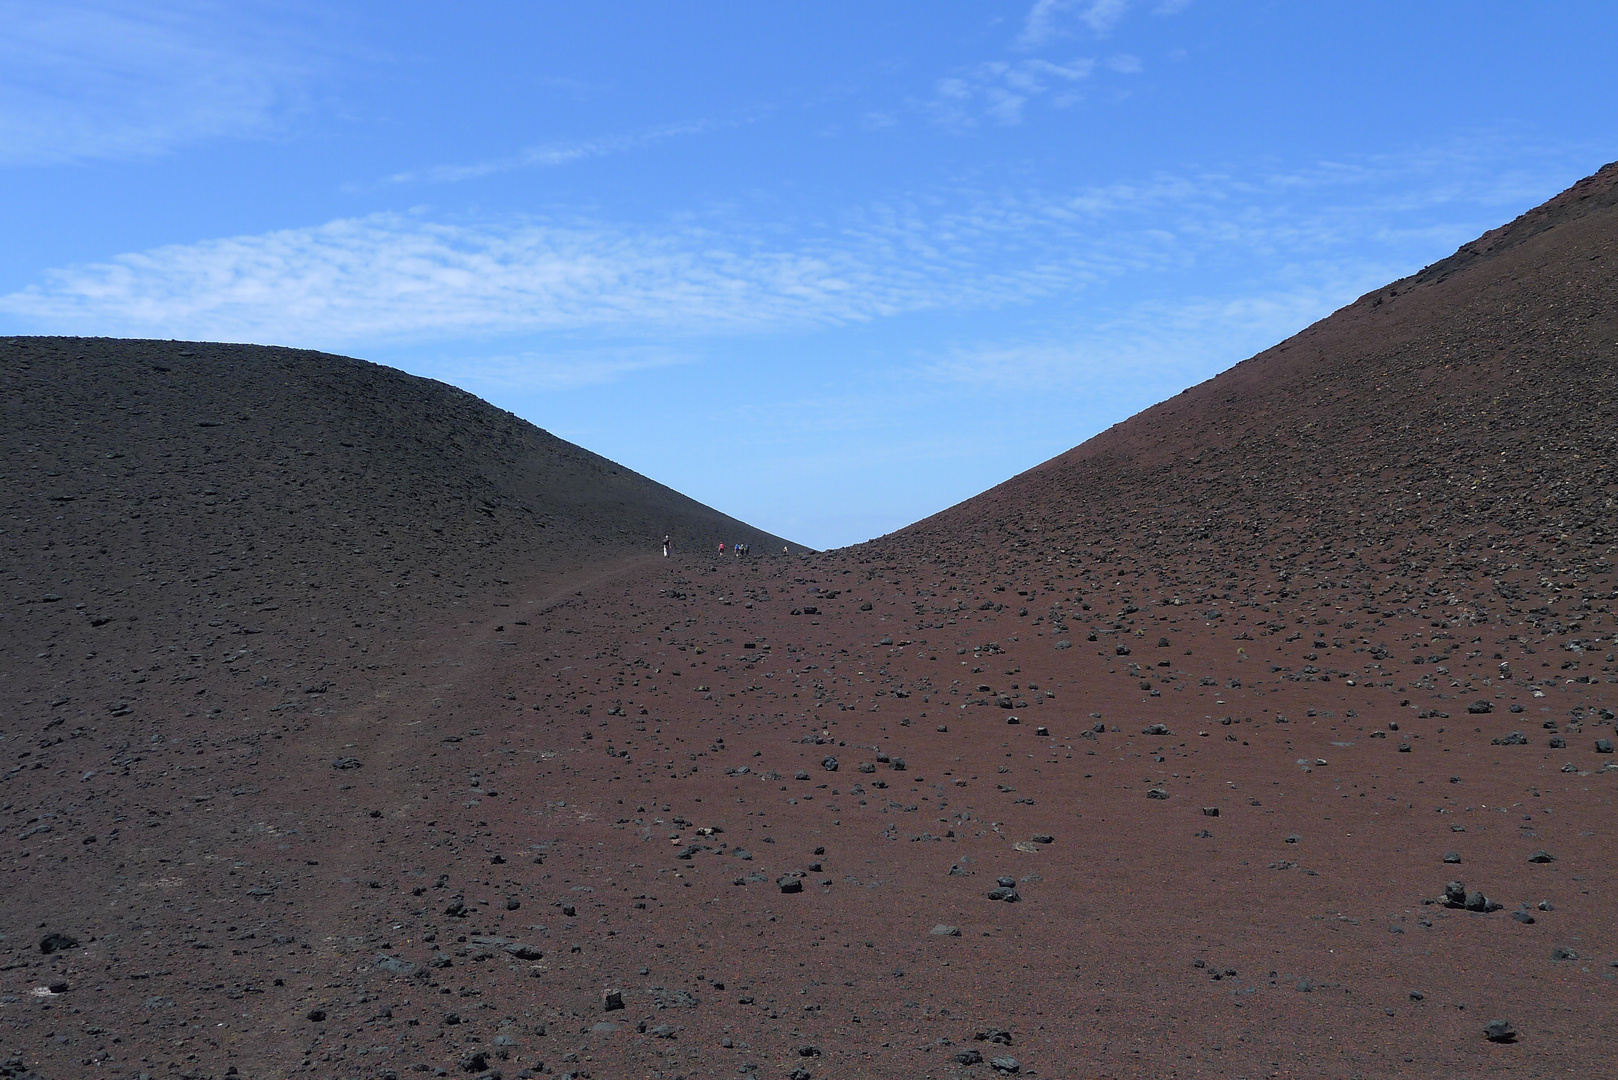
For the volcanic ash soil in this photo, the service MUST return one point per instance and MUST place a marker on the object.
(1268, 734)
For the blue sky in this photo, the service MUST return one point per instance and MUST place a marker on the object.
(827, 267)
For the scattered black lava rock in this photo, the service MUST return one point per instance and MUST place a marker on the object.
(1500, 1031)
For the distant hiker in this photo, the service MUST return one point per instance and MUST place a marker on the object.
(721, 549)
(665, 546)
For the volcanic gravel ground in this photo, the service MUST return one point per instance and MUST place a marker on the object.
(1284, 710)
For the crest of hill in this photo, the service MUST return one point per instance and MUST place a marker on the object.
(142, 469)
(1472, 405)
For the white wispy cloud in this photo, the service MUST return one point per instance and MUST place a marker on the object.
(85, 80)
(565, 153)
(1051, 19)
(558, 369)
(1152, 348)
(1102, 15)
(399, 277)
(1000, 89)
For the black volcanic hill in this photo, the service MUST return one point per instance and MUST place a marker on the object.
(234, 484)
(1453, 429)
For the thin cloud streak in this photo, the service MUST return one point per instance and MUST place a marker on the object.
(96, 81)
(559, 370)
(558, 154)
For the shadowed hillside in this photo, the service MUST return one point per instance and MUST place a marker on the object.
(242, 483)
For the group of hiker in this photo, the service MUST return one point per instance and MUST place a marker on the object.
(740, 551)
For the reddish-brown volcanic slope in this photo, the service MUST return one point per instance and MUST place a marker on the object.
(585, 779)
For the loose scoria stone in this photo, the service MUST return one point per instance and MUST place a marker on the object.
(789, 884)
(51, 943)
(1005, 1064)
(1500, 1031)
(829, 764)
(1541, 857)
(346, 763)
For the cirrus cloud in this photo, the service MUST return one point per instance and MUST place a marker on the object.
(85, 80)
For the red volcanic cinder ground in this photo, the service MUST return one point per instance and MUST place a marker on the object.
(352, 731)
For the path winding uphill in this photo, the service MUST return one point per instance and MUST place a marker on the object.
(1156, 760)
